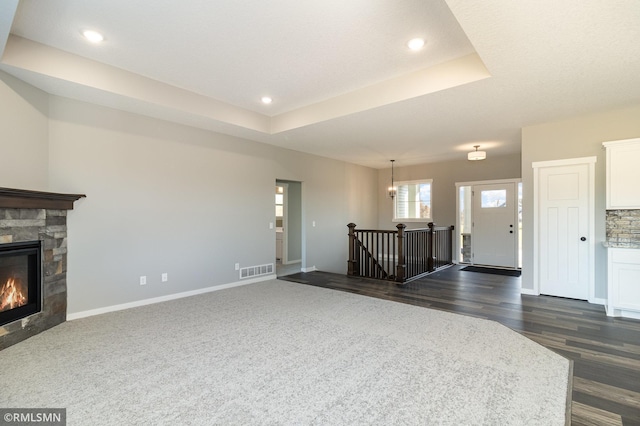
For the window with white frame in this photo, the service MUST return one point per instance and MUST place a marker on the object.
(412, 202)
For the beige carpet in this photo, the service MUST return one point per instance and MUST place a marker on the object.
(284, 353)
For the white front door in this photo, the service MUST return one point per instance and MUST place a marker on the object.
(494, 238)
(564, 232)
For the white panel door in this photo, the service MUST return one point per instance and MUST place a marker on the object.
(494, 238)
(564, 230)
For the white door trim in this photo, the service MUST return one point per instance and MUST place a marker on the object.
(285, 225)
(488, 182)
(590, 161)
(456, 246)
(285, 221)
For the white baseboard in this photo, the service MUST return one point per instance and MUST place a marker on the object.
(137, 303)
(313, 268)
(630, 314)
(291, 262)
(596, 301)
(622, 313)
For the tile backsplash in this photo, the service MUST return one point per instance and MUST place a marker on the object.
(623, 227)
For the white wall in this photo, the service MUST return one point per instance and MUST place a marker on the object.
(24, 140)
(443, 191)
(163, 197)
(573, 138)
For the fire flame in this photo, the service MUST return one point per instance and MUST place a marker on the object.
(11, 296)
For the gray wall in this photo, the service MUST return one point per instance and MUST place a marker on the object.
(443, 191)
(24, 139)
(163, 197)
(573, 138)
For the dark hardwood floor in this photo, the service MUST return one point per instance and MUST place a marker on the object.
(605, 350)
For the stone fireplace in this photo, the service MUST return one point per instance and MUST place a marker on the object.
(33, 262)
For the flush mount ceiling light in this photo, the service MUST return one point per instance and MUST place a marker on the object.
(415, 43)
(93, 36)
(476, 155)
(266, 100)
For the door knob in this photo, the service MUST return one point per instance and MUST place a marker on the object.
(583, 238)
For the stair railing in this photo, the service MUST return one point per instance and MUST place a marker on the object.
(402, 255)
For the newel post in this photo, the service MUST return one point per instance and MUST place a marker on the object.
(432, 247)
(352, 263)
(400, 268)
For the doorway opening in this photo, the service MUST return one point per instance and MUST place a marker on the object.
(489, 223)
(288, 212)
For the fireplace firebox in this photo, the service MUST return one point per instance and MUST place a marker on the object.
(20, 280)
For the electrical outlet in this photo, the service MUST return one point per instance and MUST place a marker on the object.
(165, 277)
(143, 280)
(237, 266)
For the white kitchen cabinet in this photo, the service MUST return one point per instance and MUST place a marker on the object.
(624, 282)
(623, 174)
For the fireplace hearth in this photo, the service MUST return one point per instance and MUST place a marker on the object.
(20, 280)
(33, 262)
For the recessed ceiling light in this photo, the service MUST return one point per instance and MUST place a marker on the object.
(266, 100)
(416, 43)
(93, 36)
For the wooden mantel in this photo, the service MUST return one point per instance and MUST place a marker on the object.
(24, 199)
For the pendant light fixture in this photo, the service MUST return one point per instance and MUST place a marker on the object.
(476, 155)
(392, 188)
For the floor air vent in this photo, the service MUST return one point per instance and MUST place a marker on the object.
(256, 271)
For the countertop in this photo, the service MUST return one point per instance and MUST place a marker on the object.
(616, 244)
